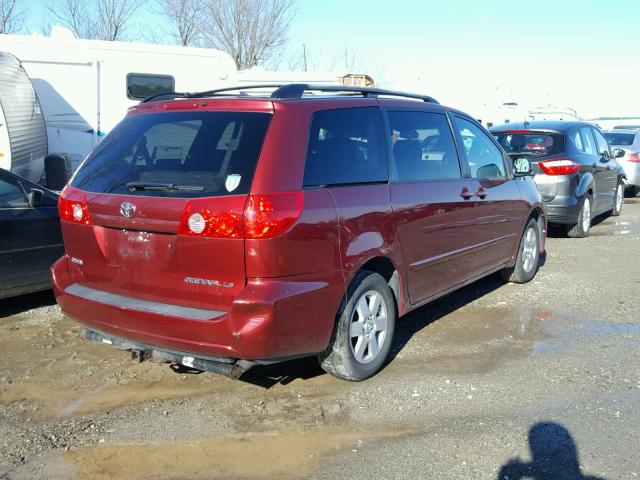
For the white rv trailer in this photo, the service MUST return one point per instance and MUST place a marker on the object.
(85, 87)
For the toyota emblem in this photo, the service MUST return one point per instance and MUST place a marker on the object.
(127, 209)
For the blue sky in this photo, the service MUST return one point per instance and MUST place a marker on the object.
(584, 52)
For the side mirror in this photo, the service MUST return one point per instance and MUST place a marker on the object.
(35, 197)
(618, 153)
(522, 167)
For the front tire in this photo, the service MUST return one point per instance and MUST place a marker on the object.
(581, 229)
(618, 200)
(528, 259)
(364, 328)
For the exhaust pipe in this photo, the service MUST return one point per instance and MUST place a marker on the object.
(233, 369)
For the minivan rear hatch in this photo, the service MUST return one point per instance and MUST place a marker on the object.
(139, 186)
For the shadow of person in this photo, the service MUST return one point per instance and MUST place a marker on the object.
(554, 456)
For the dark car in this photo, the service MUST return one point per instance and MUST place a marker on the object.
(573, 167)
(30, 238)
(221, 231)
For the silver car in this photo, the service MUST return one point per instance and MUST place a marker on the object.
(629, 142)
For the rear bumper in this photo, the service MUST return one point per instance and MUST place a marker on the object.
(632, 171)
(564, 210)
(270, 319)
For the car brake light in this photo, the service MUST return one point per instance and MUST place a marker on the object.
(633, 157)
(255, 216)
(216, 218)
(72, 206)
(559, 166)
(267, 216)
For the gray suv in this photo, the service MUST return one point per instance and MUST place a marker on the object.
(573, 167)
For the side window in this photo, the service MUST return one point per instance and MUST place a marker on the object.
(346, 146)
(142, 85)
(603, 146)
(577, 140)
(588, 143)
(422, 147)
(483, 156)
(11, 194)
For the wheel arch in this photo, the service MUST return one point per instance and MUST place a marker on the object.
(387, 269)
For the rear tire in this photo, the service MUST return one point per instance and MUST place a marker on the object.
(364, 328)
(581, 229)
(528, 258)
(618, 200)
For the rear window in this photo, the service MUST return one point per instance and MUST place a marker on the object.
(620, 138)
(534, 144)
(346, 147)
(177, 154)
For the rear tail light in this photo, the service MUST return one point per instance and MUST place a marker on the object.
(72, 206)
(255, 216)
(633, 158)
(217, 218)
(559, 166)
(267, 216)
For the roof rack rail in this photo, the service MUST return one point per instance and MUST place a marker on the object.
(297, 90)
(293, 91)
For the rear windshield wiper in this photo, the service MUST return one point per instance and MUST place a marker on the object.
(164, 187)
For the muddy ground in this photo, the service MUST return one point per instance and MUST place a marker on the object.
(495, 381)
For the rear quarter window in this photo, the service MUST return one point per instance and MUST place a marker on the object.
(346, 146)
(197, 154)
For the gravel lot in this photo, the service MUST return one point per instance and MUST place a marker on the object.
(494, 381)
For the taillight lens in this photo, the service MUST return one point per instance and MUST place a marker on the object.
(217, 218)
(72, 206)
(267, 216)
(253, 216)
(559, 166)
(633, 157)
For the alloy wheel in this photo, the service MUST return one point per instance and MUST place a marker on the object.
(529, 250)
(368, 326)
(586, 214)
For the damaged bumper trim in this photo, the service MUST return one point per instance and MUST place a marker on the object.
(140, 305)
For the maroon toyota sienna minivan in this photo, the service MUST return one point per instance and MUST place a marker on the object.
(223, 230)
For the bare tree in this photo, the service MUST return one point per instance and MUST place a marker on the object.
(186, 18)
(11, 16)
(95, 19)
(251, 31)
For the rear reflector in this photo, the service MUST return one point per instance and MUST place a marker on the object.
(72, 206)
(559, 166)
(633, 158)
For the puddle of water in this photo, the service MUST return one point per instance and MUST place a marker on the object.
(54, 401)
(281, 455)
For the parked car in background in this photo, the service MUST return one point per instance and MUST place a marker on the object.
(30, 238)
(628, 141)
(239, 230)
(573, 168)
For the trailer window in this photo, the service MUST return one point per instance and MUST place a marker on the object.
(143, 85)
